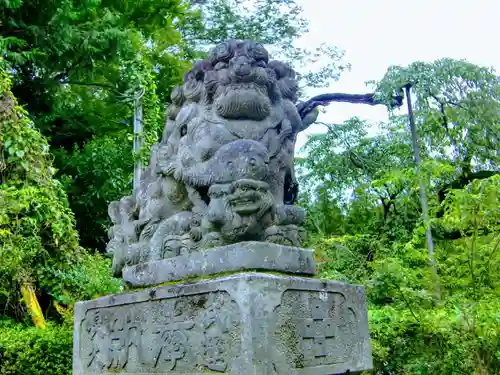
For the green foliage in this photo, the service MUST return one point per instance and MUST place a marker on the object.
(88, 279)
(344, 258)
(34, 351)
(39, 246)
(38, 241)
(276, 24)
(362, 176)
(264, 21)
(461, 334)
(77, 65)
(450, 97)
(36, 224)
(367, 227)
(91, 189)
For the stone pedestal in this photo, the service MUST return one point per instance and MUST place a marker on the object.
(222, 174)
(243, 256)
(242, 324)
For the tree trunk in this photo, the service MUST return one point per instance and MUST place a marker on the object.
(31, 302)
(138, 141)
(423, 195)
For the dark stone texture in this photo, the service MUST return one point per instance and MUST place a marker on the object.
(246, 324)
(237, 257)
(223, 171)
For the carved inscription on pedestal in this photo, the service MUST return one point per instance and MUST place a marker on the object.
(316, 329)
(172, 343)
(216, 329)
(197, 333)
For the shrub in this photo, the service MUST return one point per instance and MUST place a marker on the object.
(35, 351)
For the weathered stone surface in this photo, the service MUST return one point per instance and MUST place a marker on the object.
(237, 257)
(246, 324)
(223, 171)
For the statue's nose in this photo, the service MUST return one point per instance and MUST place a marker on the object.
(242, 65)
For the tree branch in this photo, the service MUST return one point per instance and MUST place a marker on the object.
(355, 162)
(330, 127)
(101, 85)
(445, 119)
(324, 99)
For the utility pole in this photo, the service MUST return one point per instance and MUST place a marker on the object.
(138, 138)
(423, 194)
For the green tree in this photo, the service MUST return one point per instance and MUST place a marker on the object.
(43, 270)
(77, 63)
(372, 182)
(76, 66)
(38, 240)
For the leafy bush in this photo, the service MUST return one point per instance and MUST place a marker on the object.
(35, 351)
(412, 331)
(88, 279)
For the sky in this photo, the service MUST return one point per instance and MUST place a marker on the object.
(376, 34)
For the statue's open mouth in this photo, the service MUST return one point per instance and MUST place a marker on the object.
(245, 202)
(240, 230)
(243, 101)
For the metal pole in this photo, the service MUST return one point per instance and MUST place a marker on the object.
(138, 138)
(423, 194)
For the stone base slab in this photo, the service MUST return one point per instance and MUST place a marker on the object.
(245, 324)
(243, 256)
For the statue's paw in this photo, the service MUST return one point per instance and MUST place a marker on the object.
(290, 214)
(212, 239)
(177, 173)
(167, 168)
(117, 265)
(171, 253)
(196, 233)
(172, 245)
(133, 254)
(288, 235)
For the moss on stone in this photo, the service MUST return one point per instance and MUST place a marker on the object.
(191, 280)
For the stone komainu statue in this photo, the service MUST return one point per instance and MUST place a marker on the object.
(223, 171)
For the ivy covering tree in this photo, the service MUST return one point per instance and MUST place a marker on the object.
(43, 270)
(366, 219)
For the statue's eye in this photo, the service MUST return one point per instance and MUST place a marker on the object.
(229, 163)
(258, 52)
(183, 130)
(260, 64)
(221, 65)
(253, 161)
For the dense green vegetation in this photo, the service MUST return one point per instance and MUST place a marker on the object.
(77, 65)
(43, 269)
(69, 71)
(366, 220)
